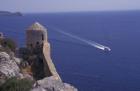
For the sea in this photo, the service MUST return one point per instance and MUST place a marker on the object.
(78, 62)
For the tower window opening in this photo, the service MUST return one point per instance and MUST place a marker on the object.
(37, 43)
(42, 37)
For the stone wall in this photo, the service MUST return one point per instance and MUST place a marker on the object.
(48, 61)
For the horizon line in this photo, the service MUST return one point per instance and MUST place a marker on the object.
(76, 11)
(81, 11)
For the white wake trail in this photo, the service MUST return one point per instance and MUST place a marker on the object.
(89, 42)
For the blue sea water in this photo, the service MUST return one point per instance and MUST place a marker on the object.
(86, 67)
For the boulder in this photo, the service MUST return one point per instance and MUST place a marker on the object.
(51, 84)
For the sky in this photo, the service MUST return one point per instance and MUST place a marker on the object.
(35, 6)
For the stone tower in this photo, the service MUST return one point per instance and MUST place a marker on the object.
(37, 39)
(36, 35)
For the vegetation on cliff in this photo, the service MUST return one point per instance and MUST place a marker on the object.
(8, 44)
(14, 84)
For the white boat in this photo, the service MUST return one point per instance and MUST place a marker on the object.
(107, 49)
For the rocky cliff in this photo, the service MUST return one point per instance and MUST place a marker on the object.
(9, 67)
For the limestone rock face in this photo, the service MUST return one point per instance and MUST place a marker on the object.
(8, 66)
(51, 84)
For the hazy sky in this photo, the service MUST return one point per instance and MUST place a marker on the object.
(68, 5)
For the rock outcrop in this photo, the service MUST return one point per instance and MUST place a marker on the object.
(8, 67)
(51, 84)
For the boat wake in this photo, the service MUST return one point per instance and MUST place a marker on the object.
(89, 42)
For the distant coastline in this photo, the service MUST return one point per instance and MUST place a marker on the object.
(7, 13)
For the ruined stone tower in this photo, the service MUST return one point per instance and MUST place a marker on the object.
(36, 35)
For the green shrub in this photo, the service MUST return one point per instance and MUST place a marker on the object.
(7, 42)
(14, 84)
